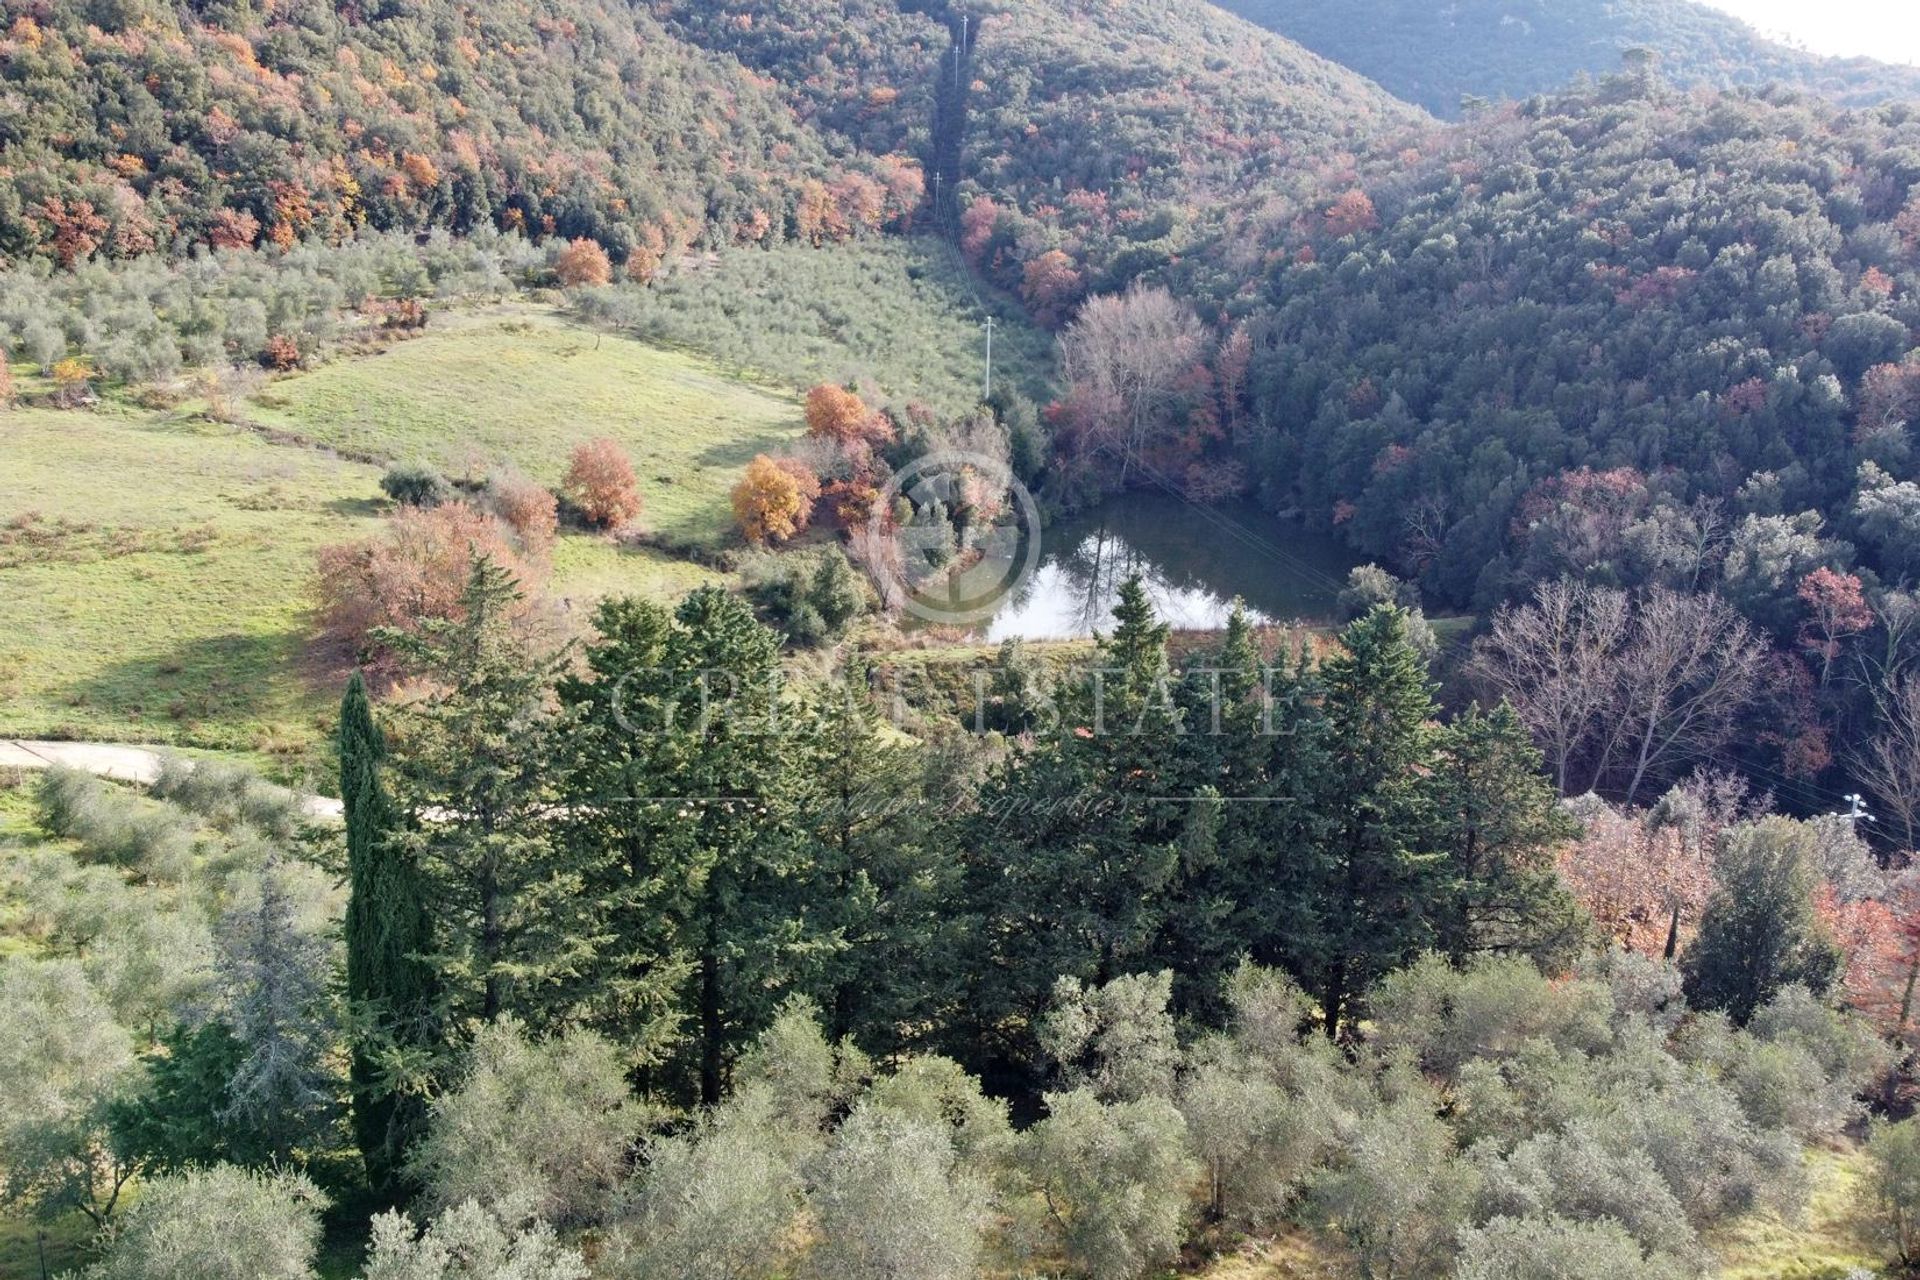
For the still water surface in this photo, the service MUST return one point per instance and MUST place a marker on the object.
(1194, 560)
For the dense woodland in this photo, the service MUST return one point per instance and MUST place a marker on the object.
(1543, 952)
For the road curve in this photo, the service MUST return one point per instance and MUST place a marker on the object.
(120, 763)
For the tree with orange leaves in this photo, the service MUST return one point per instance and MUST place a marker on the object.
(582, 263)
(1836, 609)
(1050, 286)
(1351, 214)
(772, 502)
(837, 414)
(73, 230)
(416, 570)
(600, 481)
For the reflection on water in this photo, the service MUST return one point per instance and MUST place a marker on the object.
(1193, 560)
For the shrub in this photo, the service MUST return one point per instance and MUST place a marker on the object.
(416, 485)
(813, 600)
(1893, 1175)
(601, 483)
(281, 353)
(529, 509)
(71, 379)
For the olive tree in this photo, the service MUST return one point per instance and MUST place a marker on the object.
(537, 1129)
(218, 1223)
(717, 1203)
(1114, 1177)
(468, 1243)
(891, 1201)
(64, 1063)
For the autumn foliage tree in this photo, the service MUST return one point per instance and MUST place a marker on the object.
(601, 483)
(582, 263)
(1351, 214)
(1050, 285)
(839, 415)
(774, 500)
(528, 509)
(415, 570)
(1836, 609)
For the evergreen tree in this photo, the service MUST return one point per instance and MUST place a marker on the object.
(1760, 931)
(874, 810)
(1375, 904)
(616, 822)
(727, 782)
(478, 784)
(390, 985)
(1499, 825)
(274, 980)
(1073, 847)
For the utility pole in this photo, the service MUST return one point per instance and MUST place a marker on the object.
(938, 177)
(960, 53)
(1857, 812)
(989, 395)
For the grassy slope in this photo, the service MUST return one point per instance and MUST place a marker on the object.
(517, 384)
(903, 314)
(1823, 1243)
(193, 634)
(177, 609)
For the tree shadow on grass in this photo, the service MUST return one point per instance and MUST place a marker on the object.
(740, 451)
(223, 687)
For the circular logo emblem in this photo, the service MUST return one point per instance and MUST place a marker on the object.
(967, 537)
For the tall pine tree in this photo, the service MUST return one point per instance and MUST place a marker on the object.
(1376, 900)
(390, 985)
(616, 821)
(477, 782)
(1499, 825)
(1069, 857)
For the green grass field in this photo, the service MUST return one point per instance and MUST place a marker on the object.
(518, 385)
(901, 313)
(155, 576)
(156, 569)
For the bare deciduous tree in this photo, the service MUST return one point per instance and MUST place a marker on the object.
(1890, 763)
(1690, 667)
(1556, 661)
(1635, 691)
(1131, 350)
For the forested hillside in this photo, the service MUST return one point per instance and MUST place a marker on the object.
(1440, 54)
(1077, 146)
(138, 127)
(1719, 296)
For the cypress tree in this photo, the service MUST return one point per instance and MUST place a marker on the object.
(388, 934)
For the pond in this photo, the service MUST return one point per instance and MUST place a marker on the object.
(1195, 560)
